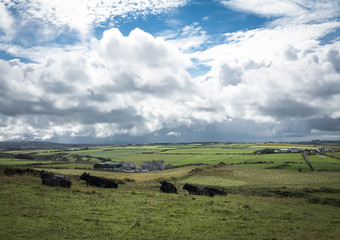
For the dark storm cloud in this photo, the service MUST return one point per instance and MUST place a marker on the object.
(325, 124)
(12, 107)
(298, 127)
(238, 130)
(325, 91)
(287, 108)
(127, 118)
(97, 97)
(58, 87)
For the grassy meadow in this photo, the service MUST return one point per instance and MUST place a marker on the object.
(270, 196)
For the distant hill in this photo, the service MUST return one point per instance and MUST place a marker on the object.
(31, 145)
(320, 142)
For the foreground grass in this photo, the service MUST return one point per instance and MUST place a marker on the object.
(30, 210)
(276, 203)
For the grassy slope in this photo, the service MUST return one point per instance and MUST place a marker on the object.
(138, 211)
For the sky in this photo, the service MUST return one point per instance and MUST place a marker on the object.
(156, 71)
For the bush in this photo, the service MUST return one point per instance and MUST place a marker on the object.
(9, 171)
(129, 180)
(119, 181)
(24, 156)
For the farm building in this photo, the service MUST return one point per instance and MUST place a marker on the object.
(312, 150)
(281, 151)
(153, 166)
(118, 166)
(130, 166)
(324, 149)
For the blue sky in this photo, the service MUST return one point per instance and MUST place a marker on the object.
(169, 71)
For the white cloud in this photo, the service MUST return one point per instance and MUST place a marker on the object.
(275, 74)
(189, 38)
(301, 11)
(267, 7)
(279, 80)
(262, 45)
(82, 15)
(176, 134)
(279, 74)
(6, 23)
(135, 89)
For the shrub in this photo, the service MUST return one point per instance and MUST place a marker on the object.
(129, 180)
(9, 171)
(24, 156)
(119, 181)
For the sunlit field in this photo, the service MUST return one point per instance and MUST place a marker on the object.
(270, 196)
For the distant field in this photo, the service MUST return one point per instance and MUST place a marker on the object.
(283, 146)
(67, 166)
(241, 159)
(140, 158)
(238, 154)
(324, 162)
(107, 153)
(214, 151)
(334, 154)
(225, 176)
(12, 161)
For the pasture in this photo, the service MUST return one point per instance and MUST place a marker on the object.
(239, 154)
(139, 211)
(242, 154)
(270, 196)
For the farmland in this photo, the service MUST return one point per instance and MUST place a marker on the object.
(270, 196)
(204, 153)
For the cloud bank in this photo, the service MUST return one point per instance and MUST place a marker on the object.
(277, 82)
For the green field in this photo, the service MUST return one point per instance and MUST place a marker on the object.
(211, 151)
(322, 162)
(226, 176)
(239, 154)
(334, 155)
(11, 161)
(270, 196)
(138, 210)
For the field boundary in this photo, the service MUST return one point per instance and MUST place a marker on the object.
(307, 161)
